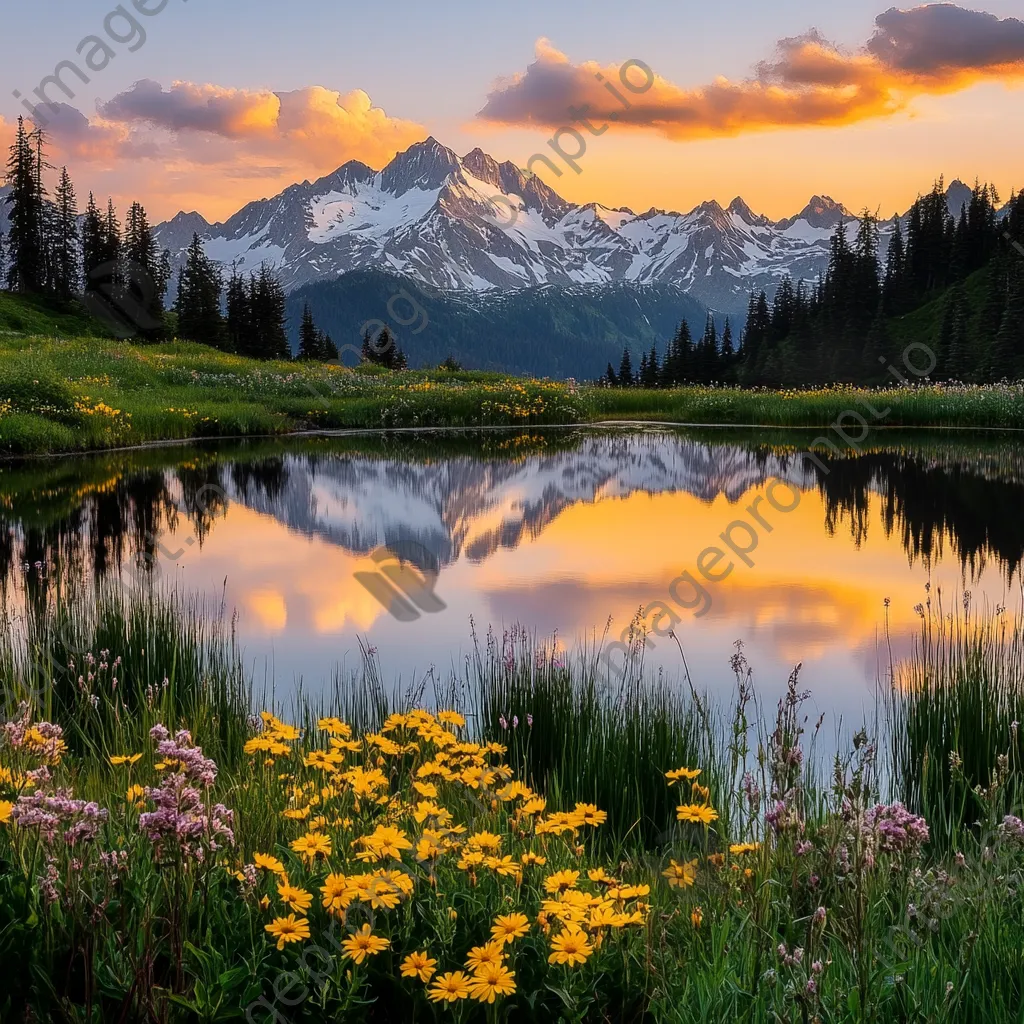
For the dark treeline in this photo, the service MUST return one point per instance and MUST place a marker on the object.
(842, 328)
(53, 252)
(846, 327)
(381, 349)
(706, 361)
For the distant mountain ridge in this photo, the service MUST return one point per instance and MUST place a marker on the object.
(548, 330)
(471, 224)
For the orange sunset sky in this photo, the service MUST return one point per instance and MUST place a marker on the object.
(192, 108)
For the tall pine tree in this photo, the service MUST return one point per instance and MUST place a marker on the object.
(144, 271)
(198, 301)
(66, 268)
(27, 261)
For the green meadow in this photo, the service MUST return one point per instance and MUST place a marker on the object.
(62, 393)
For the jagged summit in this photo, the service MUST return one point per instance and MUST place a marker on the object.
(820, 212)
(425, 165)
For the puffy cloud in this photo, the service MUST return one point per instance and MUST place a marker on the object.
(939, 38)
(808, 81)
(215, 148)
(233, 113)
(74, 136)
(311, 124)
(71, 136)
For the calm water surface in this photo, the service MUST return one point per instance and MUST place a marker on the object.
(404, 542)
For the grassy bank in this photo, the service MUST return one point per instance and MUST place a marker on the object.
(572, 847)
(60, 394)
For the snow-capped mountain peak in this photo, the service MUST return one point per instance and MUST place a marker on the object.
(473, 224)
(426, 166)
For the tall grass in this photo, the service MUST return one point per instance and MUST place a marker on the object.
(955, 712)
(576, 731)
(181, 942)
(159, 657)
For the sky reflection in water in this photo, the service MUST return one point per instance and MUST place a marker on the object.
(557, 532)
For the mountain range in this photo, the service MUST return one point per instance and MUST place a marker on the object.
(473, 225)
(510, 275)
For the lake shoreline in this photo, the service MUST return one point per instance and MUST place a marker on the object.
(383, 431)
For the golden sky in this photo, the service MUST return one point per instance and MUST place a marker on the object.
(869, 117)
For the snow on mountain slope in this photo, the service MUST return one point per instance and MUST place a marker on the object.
(473, 224)
(466, 506)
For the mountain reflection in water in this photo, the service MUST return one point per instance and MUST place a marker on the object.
(558, 531)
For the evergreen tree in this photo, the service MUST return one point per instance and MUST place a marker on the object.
(309, 336)
(706, 356)
(92, 244)
(267, 302)
(382, 350)
(727, 358)
(239, 327)
(609, 377)
(625, 370)
(676, 368)
(375, 346)
(652, 376)
(65, 239)
(990, 318)
(1007, 355)
(757, 336)
(27, 265)
(111, 236)
(958, 355)
(198, 301)
(894, 289)
(144, 271)
(329, 351)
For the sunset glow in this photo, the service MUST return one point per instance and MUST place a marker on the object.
(866, 107)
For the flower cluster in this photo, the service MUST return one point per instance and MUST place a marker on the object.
(79, 820)
(43, 740)
(895, 829)
(183, 824)
(368, 848)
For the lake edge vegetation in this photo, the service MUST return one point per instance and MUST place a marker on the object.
(74, 394)
(361, 858)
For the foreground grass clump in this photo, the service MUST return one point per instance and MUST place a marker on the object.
(59, 394)
(957, 709)
(167, 856)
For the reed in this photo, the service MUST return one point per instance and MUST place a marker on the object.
(954, 715)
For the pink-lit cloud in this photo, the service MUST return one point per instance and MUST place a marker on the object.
(937, 48)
